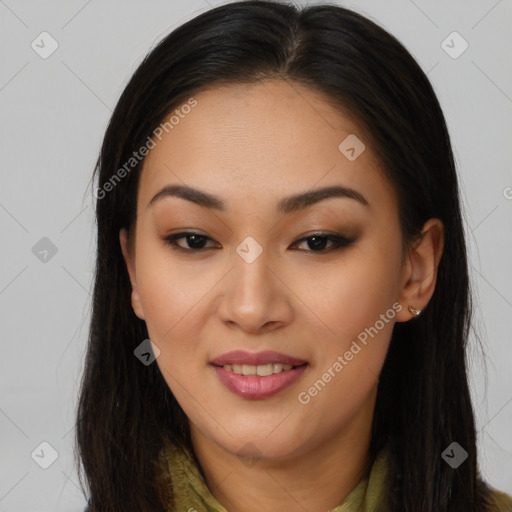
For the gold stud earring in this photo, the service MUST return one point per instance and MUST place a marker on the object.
(414, 311)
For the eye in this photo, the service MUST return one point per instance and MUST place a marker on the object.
(195, 241)
(316, 242)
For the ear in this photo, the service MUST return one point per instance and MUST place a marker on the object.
(420, 269)
(130, 264)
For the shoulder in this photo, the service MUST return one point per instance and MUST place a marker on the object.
(501, 502)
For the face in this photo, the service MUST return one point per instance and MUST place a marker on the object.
(320, 282)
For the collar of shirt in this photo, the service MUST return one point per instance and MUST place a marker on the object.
(191, 493)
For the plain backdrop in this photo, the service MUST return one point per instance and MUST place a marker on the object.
(54, 111)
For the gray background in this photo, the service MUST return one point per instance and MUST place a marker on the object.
(54, 112)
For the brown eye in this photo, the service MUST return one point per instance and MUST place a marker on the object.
(195, 241)
(318, 241)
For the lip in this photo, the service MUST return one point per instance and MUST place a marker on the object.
(255, 359)
(255, 387)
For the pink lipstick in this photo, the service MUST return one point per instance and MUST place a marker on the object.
(258, 375)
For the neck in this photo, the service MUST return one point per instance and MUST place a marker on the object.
(318, 478)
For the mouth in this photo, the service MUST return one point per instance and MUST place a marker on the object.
(261, 370)
(268, 357)
(258, 375)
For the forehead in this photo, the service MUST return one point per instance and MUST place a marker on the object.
(260, 141)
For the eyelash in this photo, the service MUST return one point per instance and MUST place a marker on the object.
(339, 242)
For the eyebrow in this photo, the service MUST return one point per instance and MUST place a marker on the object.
(286, 205)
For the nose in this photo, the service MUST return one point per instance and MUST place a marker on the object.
(255, 297)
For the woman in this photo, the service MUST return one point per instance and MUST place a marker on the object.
(281, 304)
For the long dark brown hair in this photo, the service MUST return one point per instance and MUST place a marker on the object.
(126, 410)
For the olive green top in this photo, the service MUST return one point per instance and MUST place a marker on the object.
(191, 493)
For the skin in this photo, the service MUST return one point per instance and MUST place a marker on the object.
(252, 145)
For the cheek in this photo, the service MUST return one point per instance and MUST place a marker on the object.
(170, 306)
(168, 292)
(355, 301)
(350, 296)
(171, 302)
